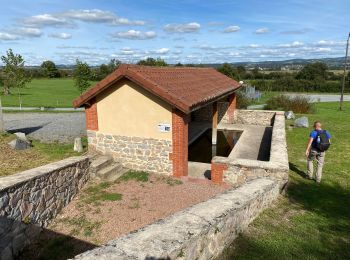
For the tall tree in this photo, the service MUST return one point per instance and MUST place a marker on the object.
(50, 69)
(313, 71)
(153, 62)
(14, 74)
(106, 69)
(82, 76)
(229, 71)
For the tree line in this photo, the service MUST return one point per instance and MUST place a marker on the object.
(312, 77)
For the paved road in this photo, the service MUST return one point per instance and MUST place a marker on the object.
(313, 98)
(321, 97)
(47, 127)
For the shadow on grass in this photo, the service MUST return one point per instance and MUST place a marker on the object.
(316, 224)
(295, 169)
(54, 246)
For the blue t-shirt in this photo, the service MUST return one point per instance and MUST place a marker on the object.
(314, 134)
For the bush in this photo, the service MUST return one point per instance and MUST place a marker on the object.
(297, 104)
(242, 100)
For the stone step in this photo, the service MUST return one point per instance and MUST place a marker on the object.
(98, 163)
(111, 172)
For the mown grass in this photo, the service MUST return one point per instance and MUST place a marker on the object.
(12, 161)
(44, 93)
(310, 221)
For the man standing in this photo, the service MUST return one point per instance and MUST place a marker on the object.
(319, 142)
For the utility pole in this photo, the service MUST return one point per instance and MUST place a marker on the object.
(344, 76)
(2, 126)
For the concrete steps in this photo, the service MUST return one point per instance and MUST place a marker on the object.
(104, 168)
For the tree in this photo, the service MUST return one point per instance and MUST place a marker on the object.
(229, 71)
(313, 71)
(82, 75)
(153, 62)
(14, 74)
(50, 69)
(106, 69)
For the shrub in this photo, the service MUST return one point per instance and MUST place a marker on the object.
(242, 100)
(297, 104)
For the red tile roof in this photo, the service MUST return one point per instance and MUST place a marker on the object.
(185, 88)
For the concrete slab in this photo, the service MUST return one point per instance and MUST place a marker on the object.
(254, 143)
(199, 170)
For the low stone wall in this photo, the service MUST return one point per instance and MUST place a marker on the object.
(202, 231)
(238, 171)
(144, 154)
(30, 199)
(254, 117)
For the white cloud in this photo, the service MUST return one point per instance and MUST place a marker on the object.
(162, 51)
(295, 44)
(182, 28)
(253, 45)
(8, 36)
(232, 28)
(27, 32)
(262, 30)
(44, 20)
(134, 35)
(63, 36)
(98, 16)
(69, 17)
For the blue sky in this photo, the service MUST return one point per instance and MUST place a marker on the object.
(187, 31)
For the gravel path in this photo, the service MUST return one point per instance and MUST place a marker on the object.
(47, 127)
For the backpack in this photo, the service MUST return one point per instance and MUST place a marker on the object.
(322, 141)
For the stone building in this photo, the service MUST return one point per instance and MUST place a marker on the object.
(142, 116)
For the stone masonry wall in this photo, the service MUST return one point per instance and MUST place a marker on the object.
(206, 113)
(30, 199)
(254, 117)
(202, 231)
(144, 154)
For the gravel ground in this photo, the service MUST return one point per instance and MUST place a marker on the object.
(84, 225)
(47, 127)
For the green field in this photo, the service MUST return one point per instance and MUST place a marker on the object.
(310, 221)
(44, 93)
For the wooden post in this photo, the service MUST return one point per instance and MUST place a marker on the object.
(215, 124)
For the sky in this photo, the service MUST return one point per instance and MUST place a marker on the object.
(186, 31)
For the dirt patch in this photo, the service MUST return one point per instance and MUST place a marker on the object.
(104, 211)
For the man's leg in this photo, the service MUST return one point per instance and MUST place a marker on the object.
(320, 161)
(310, 164)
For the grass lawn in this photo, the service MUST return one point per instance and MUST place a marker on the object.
(44, 93)
(310, 221)
(13, 161)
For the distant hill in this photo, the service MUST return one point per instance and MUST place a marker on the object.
(293, 64)
(332, 63)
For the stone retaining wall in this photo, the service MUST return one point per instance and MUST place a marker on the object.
(202, 231)
(144, 154)
(254, 117)
(238, 171)
(30, 199)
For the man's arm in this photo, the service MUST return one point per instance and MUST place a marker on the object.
(307, 152)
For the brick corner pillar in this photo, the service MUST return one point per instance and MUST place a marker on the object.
(231, 108)
(91, 116)
(179, 156)
(217, 172)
